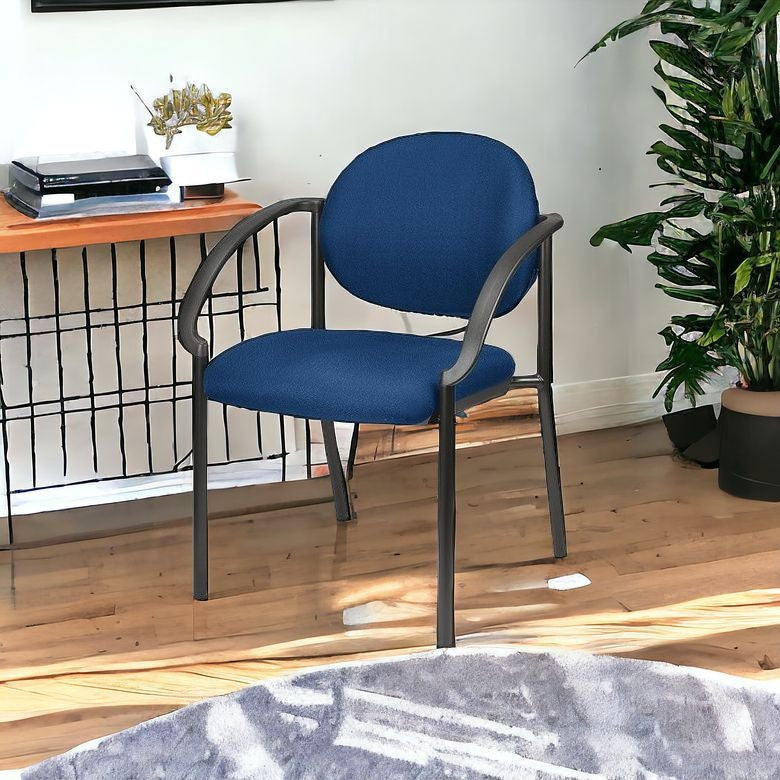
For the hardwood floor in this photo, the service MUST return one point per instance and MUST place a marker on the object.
(98, 635)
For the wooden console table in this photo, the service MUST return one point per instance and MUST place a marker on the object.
(65, 329)
(19, 233)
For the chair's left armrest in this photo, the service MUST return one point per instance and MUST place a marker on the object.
(209, 269)
(492, 291)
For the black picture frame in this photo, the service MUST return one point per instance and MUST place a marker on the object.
(50, 6)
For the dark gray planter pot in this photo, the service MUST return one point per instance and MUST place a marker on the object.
(750, 444)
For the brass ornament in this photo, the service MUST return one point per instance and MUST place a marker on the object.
(191, 105)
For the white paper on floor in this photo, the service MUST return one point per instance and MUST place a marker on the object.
(568, 582)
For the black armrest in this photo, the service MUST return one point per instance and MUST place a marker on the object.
(492, 291)
(209, 269)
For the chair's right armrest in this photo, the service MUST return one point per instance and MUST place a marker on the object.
(490, 296)
(209, 269)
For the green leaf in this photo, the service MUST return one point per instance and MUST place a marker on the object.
(734, 40)
(692, 324)
(689, 141)
(690, 91)
(636, 231)
(770, 11)
(697, 295)
(685, 59)
(689, 365)
(746, 268)
(653, 5)
(631, 26)
(639, 230)
(714, 334)
(768, 168)
(688, 206)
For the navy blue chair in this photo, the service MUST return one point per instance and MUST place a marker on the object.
(436, 223)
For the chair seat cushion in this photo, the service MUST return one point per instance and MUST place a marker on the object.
(347, 375)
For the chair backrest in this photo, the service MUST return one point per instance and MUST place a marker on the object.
(417, 223)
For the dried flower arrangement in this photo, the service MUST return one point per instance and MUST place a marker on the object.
(191, 105)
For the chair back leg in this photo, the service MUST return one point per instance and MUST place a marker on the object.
(353, 445)
(200, 458)
(552, 470)
(445, 599)
(338, 481)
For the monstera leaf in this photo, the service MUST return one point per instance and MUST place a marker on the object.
(689, 365)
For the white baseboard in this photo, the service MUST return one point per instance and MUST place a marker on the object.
(623, 400)
(132, 488)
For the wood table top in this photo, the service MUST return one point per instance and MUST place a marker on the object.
(19, 233)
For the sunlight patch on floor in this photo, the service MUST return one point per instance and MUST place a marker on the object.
(633, 631)
(383, 612)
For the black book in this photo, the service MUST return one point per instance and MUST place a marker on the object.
(89, 178)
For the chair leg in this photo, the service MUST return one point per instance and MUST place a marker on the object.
(445, 601)
(338, 481)
(552, 470)
(353, 445)
(200, 515)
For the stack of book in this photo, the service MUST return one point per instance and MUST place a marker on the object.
(42, 188)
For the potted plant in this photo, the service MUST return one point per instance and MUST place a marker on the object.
(715, 240)
(187, 132)
(191, 106)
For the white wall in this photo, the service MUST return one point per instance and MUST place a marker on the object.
(315, 82)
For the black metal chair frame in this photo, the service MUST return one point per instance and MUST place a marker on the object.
(538, 238)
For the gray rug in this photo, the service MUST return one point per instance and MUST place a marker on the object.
(468, 713)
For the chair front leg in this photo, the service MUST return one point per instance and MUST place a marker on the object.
(546, 411)
(338, 481)
(445, 600)
(552, 470)
(200, 486)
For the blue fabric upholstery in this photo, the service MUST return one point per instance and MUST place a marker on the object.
(417, 223)
(347, 375)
